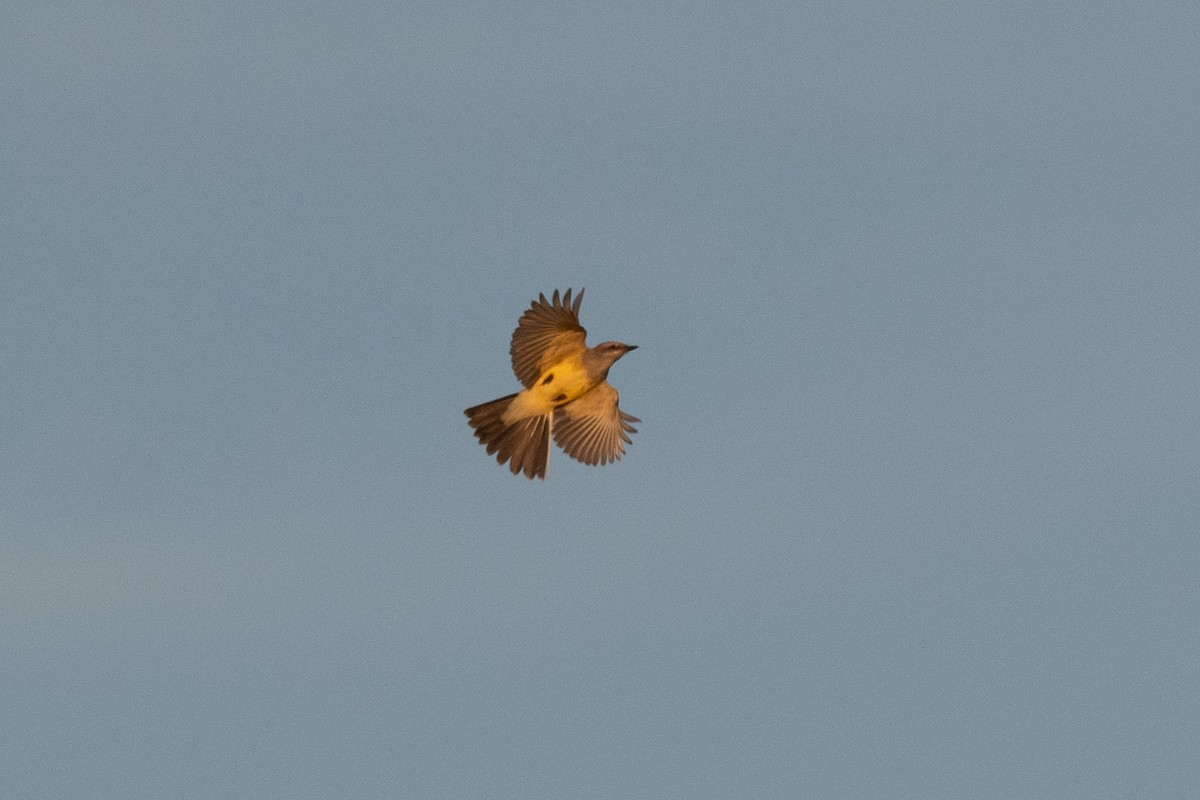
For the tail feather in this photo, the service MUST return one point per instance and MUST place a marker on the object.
(529, 441)
(524, 444)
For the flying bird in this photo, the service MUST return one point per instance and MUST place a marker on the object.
(566, 397)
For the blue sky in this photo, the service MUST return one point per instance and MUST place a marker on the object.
(913, 508)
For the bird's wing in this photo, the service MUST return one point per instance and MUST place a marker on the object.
(592, 429)
(547, 332)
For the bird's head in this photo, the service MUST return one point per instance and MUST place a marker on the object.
(605, 354)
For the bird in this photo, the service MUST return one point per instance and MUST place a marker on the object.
(566, 397)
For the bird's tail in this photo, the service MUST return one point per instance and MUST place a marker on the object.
(524, 442)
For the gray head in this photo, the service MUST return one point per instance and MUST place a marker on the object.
(597, 360)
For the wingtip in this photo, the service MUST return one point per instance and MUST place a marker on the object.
(560, 299)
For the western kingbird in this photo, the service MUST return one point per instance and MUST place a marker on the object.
(566, 395)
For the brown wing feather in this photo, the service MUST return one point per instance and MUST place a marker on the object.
(547, 332)
(593, 429)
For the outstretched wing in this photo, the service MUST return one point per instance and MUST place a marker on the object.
(547, 332)
(592, 429)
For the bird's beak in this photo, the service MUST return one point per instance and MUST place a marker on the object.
(629, 347)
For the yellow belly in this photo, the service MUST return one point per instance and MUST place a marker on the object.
(563, 382)
(559, 385)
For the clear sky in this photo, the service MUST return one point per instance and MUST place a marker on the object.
(914, 508)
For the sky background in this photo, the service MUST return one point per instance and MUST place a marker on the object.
(914, 508)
